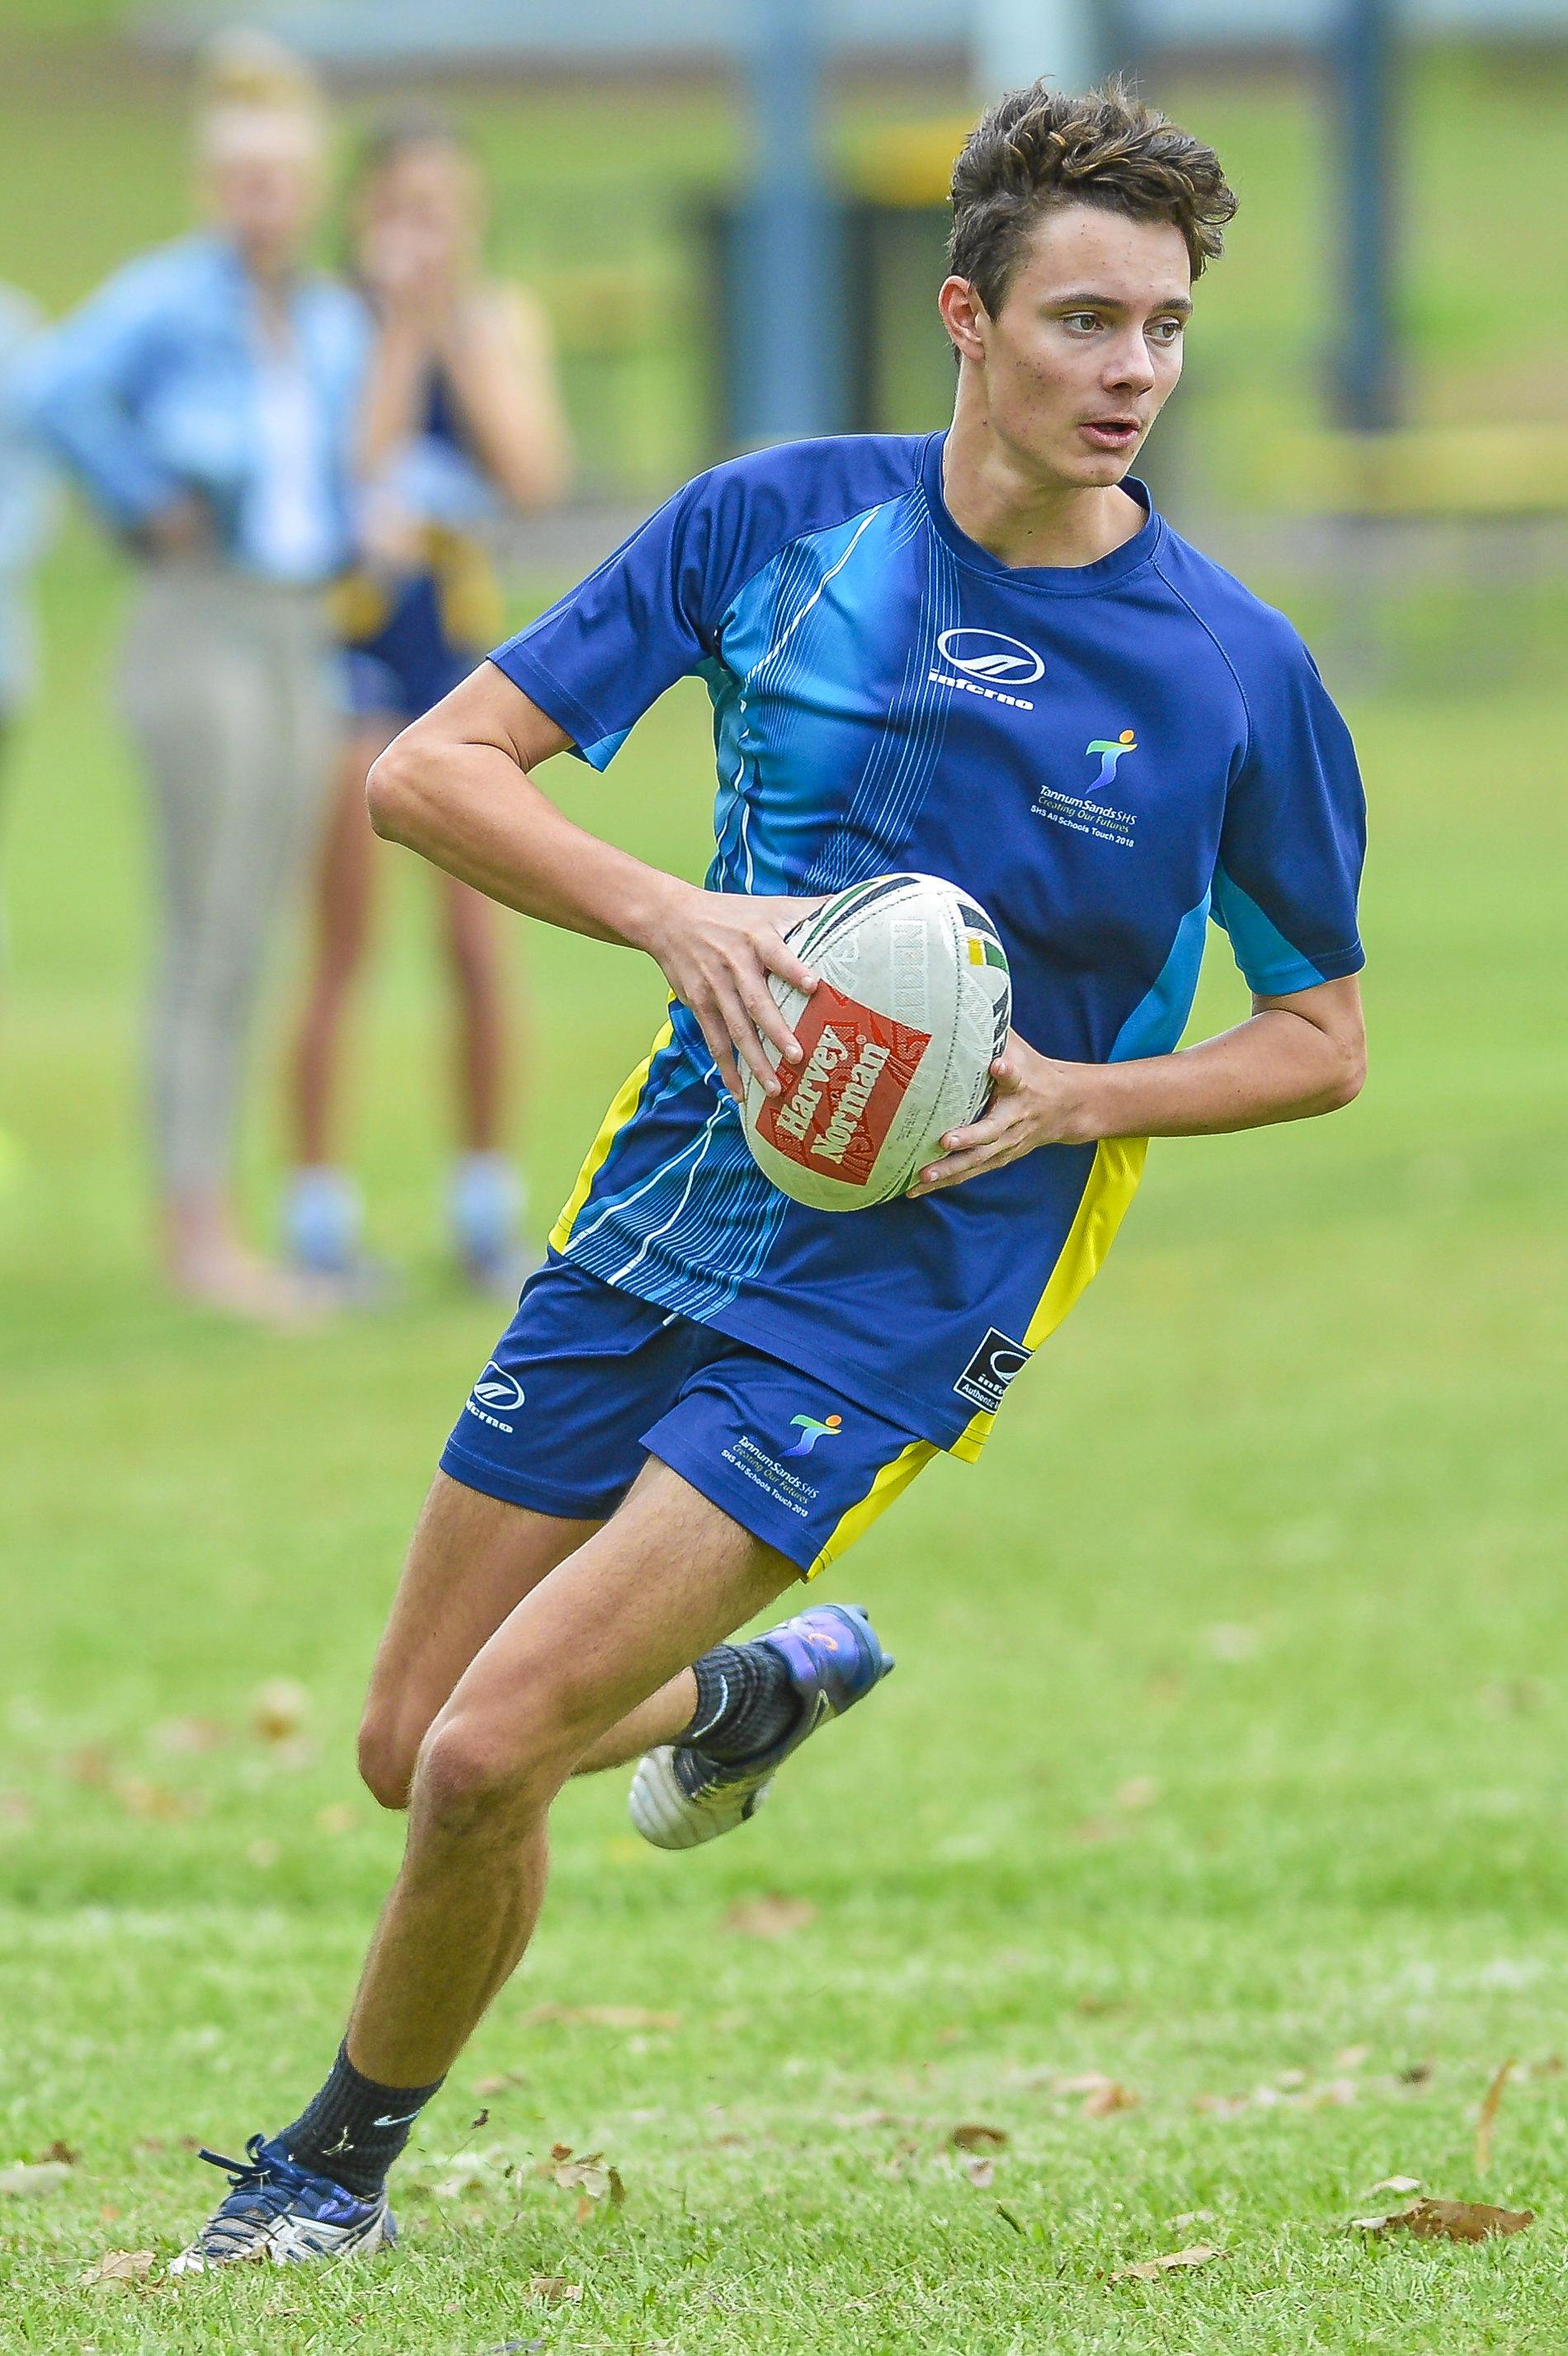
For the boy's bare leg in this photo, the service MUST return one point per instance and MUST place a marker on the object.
(471, 1561)
(667, 1577)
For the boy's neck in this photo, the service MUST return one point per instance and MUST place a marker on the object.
(1022, 518)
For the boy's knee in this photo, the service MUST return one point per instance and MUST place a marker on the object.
(387, 1760)
(485, 1762)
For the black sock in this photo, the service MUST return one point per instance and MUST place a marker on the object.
(745, 1703)
(354, 2129)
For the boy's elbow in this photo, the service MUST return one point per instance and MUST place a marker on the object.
(394, 791)
(1350, 1076)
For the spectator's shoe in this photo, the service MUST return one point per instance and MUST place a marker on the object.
(680, 1798)
(323, 1223)
(277, 2211)
(484, 1207)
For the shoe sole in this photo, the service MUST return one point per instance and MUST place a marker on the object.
(381, 2235)
(664, 1815)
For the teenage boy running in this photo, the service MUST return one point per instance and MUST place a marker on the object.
(980, 654)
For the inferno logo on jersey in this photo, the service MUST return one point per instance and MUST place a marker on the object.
(856, 1071)
(987, 663)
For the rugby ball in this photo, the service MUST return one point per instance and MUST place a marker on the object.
(913, 1003)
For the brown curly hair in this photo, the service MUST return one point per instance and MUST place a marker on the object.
(1038, 149)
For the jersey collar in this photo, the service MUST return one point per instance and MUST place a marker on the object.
(1060, 580)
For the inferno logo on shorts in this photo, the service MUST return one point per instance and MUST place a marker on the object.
(837, 1113)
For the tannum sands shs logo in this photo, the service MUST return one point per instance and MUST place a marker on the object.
(1082, 812)
(811, 1431)
(1111, 751)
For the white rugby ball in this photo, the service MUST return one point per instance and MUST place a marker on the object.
(913, 1003)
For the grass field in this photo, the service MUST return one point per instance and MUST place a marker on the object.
(1224, 1760)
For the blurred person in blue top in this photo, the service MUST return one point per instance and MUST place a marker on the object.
(27, 510)
(461, 423)
(204, 398)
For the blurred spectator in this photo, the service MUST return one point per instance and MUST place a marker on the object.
(206, 399)
(462, 420)
(26, 512)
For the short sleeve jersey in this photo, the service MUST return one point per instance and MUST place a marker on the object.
(1105, 756)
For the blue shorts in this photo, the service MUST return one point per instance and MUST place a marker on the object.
(411, 661)
(587, 1381)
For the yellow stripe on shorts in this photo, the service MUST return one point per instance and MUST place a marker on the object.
(890, 1482)
(1113, 1181)
(624, 1105)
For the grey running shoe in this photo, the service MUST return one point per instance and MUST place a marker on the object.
(679, 1797)
(277, 2211)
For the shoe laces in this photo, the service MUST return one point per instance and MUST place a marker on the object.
(261, 2184)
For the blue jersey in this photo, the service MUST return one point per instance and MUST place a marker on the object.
(1105, 756)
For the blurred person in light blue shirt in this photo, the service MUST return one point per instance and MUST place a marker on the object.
(206, 400)
(27, 512)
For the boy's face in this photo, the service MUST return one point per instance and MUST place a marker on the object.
(1086, 343)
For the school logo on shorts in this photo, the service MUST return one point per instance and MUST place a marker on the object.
(811, 1431)
(494, 1395)
(985, 1379)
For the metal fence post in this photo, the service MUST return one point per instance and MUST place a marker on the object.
(789, 361)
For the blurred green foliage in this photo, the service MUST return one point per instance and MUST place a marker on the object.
(598, 191)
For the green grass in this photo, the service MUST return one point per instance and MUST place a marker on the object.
(1226, 1734)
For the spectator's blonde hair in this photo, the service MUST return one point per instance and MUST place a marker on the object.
(247, 82)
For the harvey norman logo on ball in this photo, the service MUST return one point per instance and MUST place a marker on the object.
(987, 663)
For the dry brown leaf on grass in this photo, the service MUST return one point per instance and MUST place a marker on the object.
(554, 2290)
(117, 2270)
(1223, 2106)
(279, 1709)
(590, 2177)
(502, 2084)
(62, 2154)
(771, 1916)
(155, 1803)
(979, 2138)
(598, 2016)
(28, 2179)
(1173, 2262)
(182, 1737)
(1448, 2221)
(1107, 2100)
(1486, 2118)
